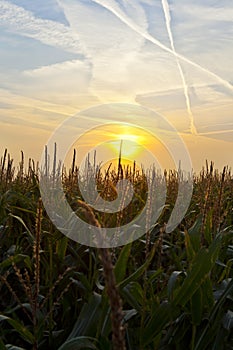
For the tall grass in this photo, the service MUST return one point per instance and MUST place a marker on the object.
(163, 291)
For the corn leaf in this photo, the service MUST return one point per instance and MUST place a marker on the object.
(19, 328)
(121, 264)
(197, 307)
(201, 266)
(79, 343)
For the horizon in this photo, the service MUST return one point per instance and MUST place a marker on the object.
(111, 165)
(173, 59)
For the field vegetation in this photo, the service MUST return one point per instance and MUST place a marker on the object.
(162, 291)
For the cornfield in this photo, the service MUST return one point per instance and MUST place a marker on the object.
(162, 291)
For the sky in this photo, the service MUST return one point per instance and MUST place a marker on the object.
(173, 58)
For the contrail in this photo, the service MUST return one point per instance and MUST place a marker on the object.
(167, 15)
(132, 25)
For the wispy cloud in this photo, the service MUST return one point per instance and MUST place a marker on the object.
(203, 32)
(18, 110)
(16, 101)
(111, 46)
(207, 11)
(23, 22)
(75, 70)
(112, 7)
(48, 9)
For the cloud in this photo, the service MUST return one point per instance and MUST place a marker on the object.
(211, 106)
(48, 9)
(206, 11)
(125, 59)
(110, 45)
(15, 101)
(123, 65)
(223, 135)
(145, 34)
(69, 76)
(115, 40)
(18, 110)
(23, 22)
(19, 53)
(203, 32)
(63, 85)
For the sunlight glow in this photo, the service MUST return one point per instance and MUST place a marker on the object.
(129, 140)
(129, 147)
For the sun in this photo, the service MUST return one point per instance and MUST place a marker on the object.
(129, 137)
(132, 143)
(128, 141)
(125, 147)
(130, 133)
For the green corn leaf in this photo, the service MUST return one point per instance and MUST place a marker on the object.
(194, 234)
(228, 320)
(79, 343)
(172, 283)
(129, 314)
(209, 330)
(121, 264)
(87, 322)
(16, 259)
(30, 235)
(134, 276)
(13, 347)
(19, 328)
(219, 341)
(208, 227)
(189, 247)
(201, 266)
(197, 307)
(2, 346)
(83, 280)
(26, 306)
(61, 246)
(159, 319)
(207, 293)
(133, 294)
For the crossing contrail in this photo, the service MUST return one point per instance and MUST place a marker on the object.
(132, 25)
(167, 15)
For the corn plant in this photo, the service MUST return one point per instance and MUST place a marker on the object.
(162, 291)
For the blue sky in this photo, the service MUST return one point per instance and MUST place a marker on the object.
(59, 57)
